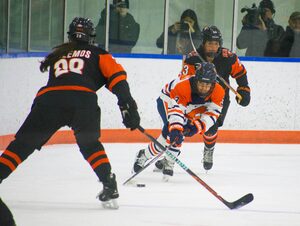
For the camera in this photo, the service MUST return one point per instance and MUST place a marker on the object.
(252, 16)
(184, 26)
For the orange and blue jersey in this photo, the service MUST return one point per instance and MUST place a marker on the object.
(181, 104)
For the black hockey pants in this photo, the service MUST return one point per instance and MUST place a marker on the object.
(49, 113)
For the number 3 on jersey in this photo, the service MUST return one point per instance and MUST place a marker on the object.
(64, 66)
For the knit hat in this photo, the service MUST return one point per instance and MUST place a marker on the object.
(295, 15)
(121, 3)
(267, 4)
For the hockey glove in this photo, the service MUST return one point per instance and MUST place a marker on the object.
(192, 128)
(176, 135)
(130, 115)
(244, 91)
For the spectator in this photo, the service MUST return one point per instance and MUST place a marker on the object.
(123, 29)
(290, 45)
(253, 36)
(178, 36)
(275, 32)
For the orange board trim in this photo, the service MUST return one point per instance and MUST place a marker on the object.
(127, 136)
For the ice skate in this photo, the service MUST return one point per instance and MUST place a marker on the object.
(110, 193)
(208, 158)
(168, 169)
(140, 161)
(159, 165)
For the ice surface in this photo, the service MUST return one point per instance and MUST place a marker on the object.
(56, 187)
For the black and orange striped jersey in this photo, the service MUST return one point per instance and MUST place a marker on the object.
(227, 64)
(86, 68)
(182, 104)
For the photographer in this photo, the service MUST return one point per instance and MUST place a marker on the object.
(253, 36)
(259, 34)
(275, 31)
(178, 34)
(290, 45)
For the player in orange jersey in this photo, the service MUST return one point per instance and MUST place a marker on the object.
(77, 69)
(187, 107)
(227, 65)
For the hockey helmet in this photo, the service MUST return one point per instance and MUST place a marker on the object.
(82, 29)
(212, 33)
(206, 72)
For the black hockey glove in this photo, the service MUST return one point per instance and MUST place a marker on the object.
(192, 128)
(244, 91)
(176, 135)
(130, 115)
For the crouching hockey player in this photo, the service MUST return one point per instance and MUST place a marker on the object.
(187, 107)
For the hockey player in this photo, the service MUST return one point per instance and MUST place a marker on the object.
(77, 69)
(187, 107)
(227, 64)
(6, 217)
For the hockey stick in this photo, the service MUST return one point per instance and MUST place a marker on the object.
(153, 159)
(231, 205)
(219, 77)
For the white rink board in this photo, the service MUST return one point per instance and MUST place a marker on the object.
(274, 106)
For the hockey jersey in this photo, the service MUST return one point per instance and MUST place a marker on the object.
(182, 104)
(227, 65)
(86, 68)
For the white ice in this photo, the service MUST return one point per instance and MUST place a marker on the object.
(56, 187)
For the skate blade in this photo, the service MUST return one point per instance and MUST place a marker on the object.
(166, 178)
(110, 204)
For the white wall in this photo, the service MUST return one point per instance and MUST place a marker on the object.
(274, 106)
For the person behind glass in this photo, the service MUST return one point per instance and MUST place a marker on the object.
(178, 34)
(275, 32)
(227, 65)
(290, 44)
(253, 36)
(77, 69)
(123, 29)
(187, 107)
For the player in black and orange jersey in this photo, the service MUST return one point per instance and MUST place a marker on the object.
(77, 69)
(227, 65)
(6, 217)
(187, 107)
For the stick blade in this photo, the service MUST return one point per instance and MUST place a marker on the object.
(240, 202)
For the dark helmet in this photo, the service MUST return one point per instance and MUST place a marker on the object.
(206, 72)
(212, 33)
(81, 29)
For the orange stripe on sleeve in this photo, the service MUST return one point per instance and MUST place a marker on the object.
(8, 163)
(115, 81)
(13, 155)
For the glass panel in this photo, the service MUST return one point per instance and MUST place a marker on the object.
(130, 28)
(18, 26)
(200, 14)
(259, 36)
(83, 8)
(47, 16)
(3, 26)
